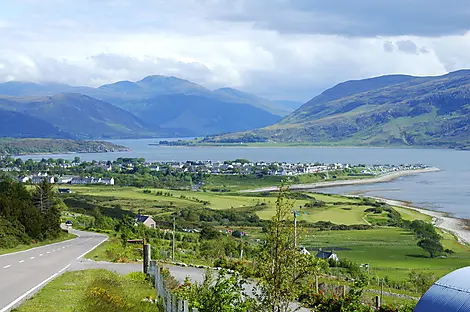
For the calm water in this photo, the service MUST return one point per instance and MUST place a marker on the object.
(447, 190)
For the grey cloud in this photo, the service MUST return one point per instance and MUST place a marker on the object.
(356, 18)
(407, 46)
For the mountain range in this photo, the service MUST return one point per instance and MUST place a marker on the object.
(397, 110)
(153, 106)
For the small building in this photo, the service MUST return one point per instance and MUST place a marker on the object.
(326, 255)
(80, 181)
(23, 179)
(147, 221)
(304, 251)
(39, 179)
(65, 180)
(450, 293)
(107, 181)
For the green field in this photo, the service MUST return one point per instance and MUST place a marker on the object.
(88, 291)
(132, 198)
(389, 251)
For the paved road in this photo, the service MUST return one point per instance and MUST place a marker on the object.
(23, 273)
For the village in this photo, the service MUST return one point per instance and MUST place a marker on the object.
(77, 172)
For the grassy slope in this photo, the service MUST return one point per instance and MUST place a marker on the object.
(68, 293)
(389, 251)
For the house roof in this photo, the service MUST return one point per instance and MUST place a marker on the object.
(324, 254)
(450, 293)
(142, 219)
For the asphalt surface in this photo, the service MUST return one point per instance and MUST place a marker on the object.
(23, 273)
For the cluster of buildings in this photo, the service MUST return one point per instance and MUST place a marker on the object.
(73, 180)
(273, 168)
(267, 168)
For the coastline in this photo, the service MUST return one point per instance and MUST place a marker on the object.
(312, 186)
(440, 220)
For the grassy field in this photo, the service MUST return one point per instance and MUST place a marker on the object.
(92, 290)
(135, 198)
(62, 238)
(389, 251)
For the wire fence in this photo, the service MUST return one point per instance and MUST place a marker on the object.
(171, 303)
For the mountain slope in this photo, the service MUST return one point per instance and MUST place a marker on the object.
(237, 96)
(14, 124)
(388, 110)
(195, 115)
(80, 115)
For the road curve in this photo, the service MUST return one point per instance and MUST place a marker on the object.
(23, 273)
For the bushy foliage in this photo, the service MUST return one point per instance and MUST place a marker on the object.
(225, 293)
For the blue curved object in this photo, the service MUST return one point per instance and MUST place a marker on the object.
(449, 294)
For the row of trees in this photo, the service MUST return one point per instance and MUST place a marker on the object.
(27, 216)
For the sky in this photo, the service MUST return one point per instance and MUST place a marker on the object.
(279, 49)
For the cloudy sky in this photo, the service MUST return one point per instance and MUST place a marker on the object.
(281, 49)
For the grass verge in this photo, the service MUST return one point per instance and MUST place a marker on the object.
(93, 290)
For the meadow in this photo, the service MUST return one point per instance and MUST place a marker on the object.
(391, 252)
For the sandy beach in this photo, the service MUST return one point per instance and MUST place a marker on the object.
(440, 219)
(383, 178)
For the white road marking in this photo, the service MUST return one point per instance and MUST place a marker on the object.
(31, 258)
(17, 300)
(7, 266)
(40, 255)
(90, 250)
(48, 252)
(21, 261)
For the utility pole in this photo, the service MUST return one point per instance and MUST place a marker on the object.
(295, 229)
(173, 251)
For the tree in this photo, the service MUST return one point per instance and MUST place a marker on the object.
(43, 196)
(434, 247)
(282, 268)
(421, 281)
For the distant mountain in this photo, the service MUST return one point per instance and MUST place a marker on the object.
(77, 114)
(389, 110)
(14, 124)
(237, 96)
(289, 105)
(168, 100)
(195, 115)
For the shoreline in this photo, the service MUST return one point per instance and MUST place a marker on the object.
(380, 179)
(441, 220)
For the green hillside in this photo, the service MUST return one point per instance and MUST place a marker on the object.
(80, 115)
(389, 110)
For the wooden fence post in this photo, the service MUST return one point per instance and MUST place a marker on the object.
(168, 302)
(344, 290)
(316, 284)
(185, 306)
(180, 305)
(146, 258)
(195, 310)
(174, 303)
(377, 302)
